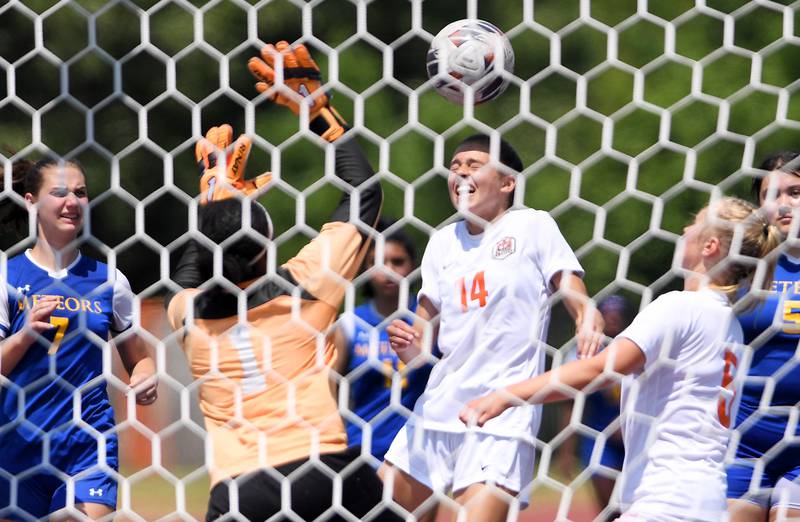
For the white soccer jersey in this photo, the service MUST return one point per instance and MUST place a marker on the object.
(491, 291)
(676, 412)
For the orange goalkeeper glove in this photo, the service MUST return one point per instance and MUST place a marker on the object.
(302, 83)
(223, 181)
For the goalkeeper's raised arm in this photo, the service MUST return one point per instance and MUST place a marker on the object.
(302, 89)
(222, 161)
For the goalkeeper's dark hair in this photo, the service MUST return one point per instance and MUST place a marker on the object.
(220, 220)
(509, 159)
(26, 177)
(787, 161)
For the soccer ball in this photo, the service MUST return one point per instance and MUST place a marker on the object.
(470, 52)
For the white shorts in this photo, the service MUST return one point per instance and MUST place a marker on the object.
(785, 495)
(446, 461)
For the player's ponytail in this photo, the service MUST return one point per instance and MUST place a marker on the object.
(749, 238)
(13, 215)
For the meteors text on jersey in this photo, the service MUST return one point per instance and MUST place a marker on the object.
(71, 304)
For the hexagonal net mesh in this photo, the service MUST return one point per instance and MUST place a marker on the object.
(628, 118)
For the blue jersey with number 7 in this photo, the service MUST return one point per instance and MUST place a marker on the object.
(38, 399)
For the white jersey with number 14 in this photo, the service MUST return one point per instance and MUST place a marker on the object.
(491, 291)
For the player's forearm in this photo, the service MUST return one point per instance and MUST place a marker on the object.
(574, 294)
(134, 356)
(12, 350)
(352, 166)
(560, 384)
(146, 367)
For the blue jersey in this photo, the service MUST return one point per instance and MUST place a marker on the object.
(370, 391)
(774, 359)
(599, 411)
(37, 399)
(781, 309)
(774, 376)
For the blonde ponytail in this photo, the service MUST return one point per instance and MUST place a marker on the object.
(748, 237)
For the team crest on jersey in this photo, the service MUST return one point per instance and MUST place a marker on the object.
(504, 248)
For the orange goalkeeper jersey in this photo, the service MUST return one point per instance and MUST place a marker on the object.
(264, 375)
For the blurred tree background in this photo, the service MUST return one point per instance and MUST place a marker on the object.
(626, 121)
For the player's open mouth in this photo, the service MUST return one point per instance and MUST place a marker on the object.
(71, 217)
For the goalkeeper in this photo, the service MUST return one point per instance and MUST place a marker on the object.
(263, 360)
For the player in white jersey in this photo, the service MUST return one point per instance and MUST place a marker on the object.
(680, 354)
(486, 285)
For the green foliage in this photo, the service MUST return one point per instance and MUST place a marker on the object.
(117, 94)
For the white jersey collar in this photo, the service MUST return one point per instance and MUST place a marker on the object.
(57, 274)
(475, 239)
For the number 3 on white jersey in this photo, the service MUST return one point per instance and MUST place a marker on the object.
(728, 393)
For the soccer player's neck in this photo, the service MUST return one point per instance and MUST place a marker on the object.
(385, 305)
(479, 223)
(694, 283)
(697, 282)
(47, 255)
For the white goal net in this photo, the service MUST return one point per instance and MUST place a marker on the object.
(628, 115)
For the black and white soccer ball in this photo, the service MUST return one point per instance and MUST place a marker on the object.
(471, 53)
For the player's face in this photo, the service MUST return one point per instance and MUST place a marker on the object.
(615, 323)
(692, 242)
(780, 195)
(395, 261)
(61, 201)
(476, 187)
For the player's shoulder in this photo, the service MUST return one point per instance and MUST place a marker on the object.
(90, 266)
(449, 230)
(674, 296)
(186, 294)
(176, 310)
(22, 267)
(676, 300)
(444, 236)
(530, 219)
(529, 215)
(339, 227)
(18, 263)
(687, 304)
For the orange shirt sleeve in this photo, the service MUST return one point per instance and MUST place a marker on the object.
(327, 264)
